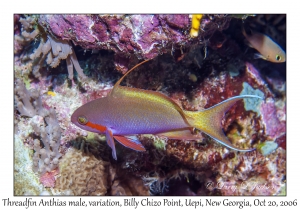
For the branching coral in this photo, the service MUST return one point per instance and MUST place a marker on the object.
(29, 104)
(24, 99)
(49, 49)
(27, 35)
(46, 158)
(55, 51)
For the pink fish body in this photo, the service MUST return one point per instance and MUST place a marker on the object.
(267, 48)
(129, 111)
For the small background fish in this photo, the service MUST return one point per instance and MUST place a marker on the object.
(269, 28)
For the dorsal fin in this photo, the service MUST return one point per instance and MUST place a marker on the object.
(120, 80)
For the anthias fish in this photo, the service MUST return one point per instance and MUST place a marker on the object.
(128, 111)
(267, 48)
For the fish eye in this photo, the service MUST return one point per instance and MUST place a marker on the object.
(278, 57)
(82, 120)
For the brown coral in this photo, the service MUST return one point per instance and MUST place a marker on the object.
(82, 174)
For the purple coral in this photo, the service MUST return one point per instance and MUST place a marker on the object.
(273, 119)
(129, 36)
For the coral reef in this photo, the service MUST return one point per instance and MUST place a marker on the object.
(25, 180)
(267, 147)
(24, 99)
(46, 158)
(274, 117)
(44, 124)
(27, 33)
(195, 72)
(81, 174)
(141, 36)
(127, 185)
(48, 178)
(252, 105)
(49, 48)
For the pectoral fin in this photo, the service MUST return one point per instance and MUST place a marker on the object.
(111, 143)
(130, 142)
(259, 56)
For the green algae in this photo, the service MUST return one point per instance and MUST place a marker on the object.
(94, 137)
(159, 144)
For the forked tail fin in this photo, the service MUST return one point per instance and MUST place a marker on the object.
(209, 120)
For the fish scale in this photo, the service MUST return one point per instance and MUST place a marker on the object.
(143, 116)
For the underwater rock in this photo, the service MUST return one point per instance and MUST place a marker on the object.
(143, 36)
(274, 118)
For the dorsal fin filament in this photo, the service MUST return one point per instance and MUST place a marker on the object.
(120, 80)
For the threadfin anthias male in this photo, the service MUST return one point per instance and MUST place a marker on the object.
(127, 111)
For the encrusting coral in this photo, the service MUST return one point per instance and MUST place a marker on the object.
(131, 36)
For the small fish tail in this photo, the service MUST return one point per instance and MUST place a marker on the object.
(209, 120)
